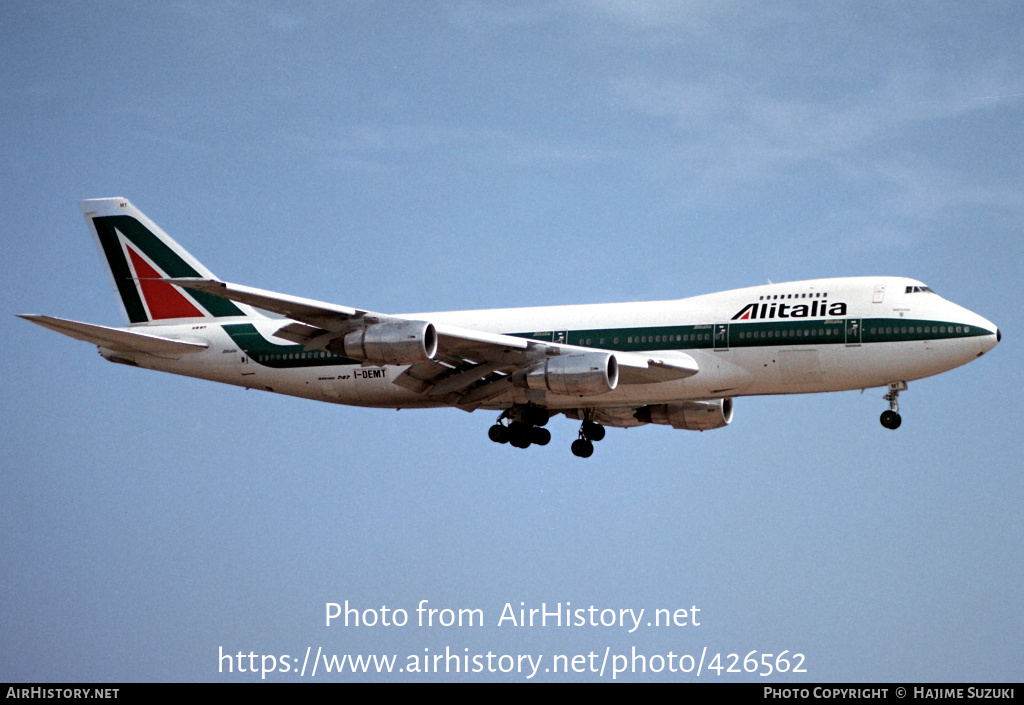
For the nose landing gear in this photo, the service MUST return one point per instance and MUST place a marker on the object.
(891, 418)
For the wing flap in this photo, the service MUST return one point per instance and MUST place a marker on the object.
(422, 376)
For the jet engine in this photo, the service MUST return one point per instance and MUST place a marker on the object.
(397, 343)
(581, 374)
(689, 415)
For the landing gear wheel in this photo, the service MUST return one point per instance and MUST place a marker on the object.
(891, 420)
(593, 431)
(535, 415)
(540, 436)
(520, 427)
(582, 448)
(520, 434)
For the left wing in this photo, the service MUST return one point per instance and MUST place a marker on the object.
(458, 366)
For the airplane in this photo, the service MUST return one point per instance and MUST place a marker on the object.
(678, 363)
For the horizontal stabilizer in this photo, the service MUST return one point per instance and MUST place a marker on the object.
(117, 339)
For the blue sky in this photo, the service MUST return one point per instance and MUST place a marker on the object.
(416, 157)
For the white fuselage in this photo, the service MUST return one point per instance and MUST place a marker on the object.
(811, 336)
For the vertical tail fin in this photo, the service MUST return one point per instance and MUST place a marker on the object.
(138, 254)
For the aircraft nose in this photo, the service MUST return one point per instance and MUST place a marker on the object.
(992, 339)
(991, 334)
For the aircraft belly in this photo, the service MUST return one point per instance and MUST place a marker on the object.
(839, 367)
(828, 368)
(626, 395)
(919, 359)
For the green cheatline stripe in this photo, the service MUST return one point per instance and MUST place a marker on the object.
(164, 257)
(270, 354)
(760, 334)
(833, 331)
(733, 335)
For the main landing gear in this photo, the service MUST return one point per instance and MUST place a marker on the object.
(520, 427)
(590, 433)
(891, 418)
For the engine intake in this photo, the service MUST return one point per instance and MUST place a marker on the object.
(399, 343)
(689, 415)
(581, 374)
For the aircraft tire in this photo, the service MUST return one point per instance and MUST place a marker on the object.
(582, 448)
(593, 431)
(536, 416)
(540, 436)
(891, 420)
(519, 434)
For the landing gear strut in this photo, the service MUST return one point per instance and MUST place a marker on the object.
(522, 428)
(891, 418)
(590, 432)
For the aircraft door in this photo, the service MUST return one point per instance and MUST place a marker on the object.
(722, 336)
(853, 332)
(246, 367)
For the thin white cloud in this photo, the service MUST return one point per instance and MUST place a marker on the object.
(726, 132)
(368, 146)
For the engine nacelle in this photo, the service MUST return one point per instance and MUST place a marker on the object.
(398, 343)
(689, 415)
(581, 374)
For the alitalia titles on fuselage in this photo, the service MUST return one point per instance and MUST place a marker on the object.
(776, 309)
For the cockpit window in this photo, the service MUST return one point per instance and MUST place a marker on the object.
(919, 290)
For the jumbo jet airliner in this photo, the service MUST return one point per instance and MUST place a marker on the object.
(678, 363)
